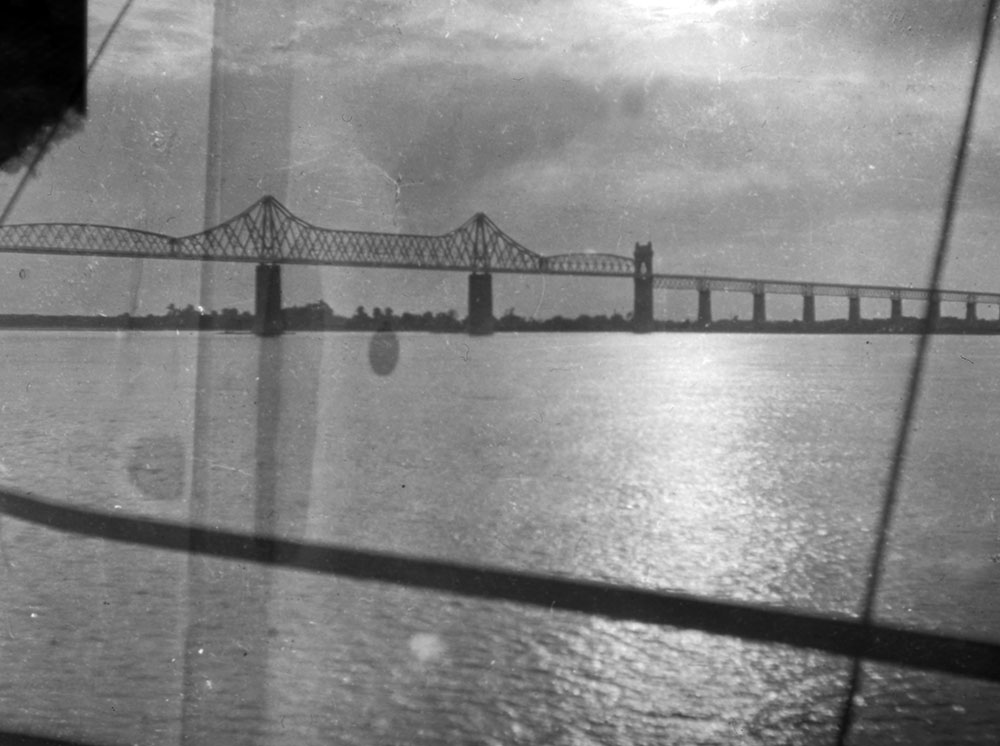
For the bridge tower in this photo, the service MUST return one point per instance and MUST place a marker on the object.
(480, 319)
(269, 319)
(642, 311)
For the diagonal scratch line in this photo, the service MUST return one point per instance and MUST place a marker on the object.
(836, 634)
(891, 496)
(44, 149)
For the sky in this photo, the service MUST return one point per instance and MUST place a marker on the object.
(785, 139)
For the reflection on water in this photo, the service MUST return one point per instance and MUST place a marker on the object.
(745, 467)
(226, 683)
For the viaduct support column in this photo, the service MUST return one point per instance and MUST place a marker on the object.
(809, 309)
(934, 308)
(970, 310)
(705, 306)
(480, 303)
(269, 320)
(897, 309)
(642, 311)
(759, 307)
(853, 308)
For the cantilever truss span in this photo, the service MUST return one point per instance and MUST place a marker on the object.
(268, 233)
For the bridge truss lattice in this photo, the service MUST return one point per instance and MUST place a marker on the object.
(268, 233)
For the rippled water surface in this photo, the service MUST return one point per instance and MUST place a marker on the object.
(737, 467)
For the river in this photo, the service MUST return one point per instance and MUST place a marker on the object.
(744, 467)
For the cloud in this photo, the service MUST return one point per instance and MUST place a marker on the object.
(139, 161)
(436, 124)
(792, 138)
(927, 25)
(165, 40)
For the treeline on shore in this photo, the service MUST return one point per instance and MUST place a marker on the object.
(319, 316)
(316, 316)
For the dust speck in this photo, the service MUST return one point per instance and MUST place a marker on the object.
(427, 647)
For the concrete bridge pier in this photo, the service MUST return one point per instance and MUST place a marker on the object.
(853, 308)
(896, 312)
(269, 319)
(970, 310)
(705, 306)
(934, 308)
(480, 303)
(642, 310)
(809, 309)
(759, 307)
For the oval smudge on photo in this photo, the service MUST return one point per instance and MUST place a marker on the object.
(383, 351)
(156, 466)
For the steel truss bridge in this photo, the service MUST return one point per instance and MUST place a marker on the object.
(269, 235)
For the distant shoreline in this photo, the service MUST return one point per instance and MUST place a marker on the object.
(449, 323)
